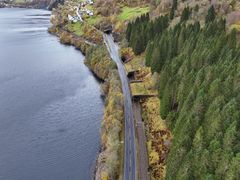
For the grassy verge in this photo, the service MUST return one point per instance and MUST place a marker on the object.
(110, 158)
(94, 20)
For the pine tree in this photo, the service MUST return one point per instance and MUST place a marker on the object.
(230, 137)
(165, 103)
(174, 7)
(211, 15)
(172, 13)
(233, 172)
(185, 171)
(129, 31)
(155, 65)
(232, 40)
(185, 14)
(138, 46)
(149, 52)
(199, 74)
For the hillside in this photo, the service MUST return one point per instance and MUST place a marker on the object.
(196, 57)
(228, 9)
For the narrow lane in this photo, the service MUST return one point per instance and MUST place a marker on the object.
(129, 142)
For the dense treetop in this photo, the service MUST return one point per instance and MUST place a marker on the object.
(199, 70)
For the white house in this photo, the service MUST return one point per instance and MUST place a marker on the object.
(89, 1)
(90, 13)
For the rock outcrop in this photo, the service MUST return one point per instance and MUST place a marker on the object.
(54, 4)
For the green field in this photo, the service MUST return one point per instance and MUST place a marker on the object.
(76, 28)
(132, 12)
(135, 64)
(138, 89)
(93, 20)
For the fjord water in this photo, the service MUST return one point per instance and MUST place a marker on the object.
(50, 105)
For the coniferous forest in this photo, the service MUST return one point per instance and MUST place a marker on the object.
(199, 72)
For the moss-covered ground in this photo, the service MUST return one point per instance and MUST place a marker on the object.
(145, 88)
(136, 63)
(142, 73)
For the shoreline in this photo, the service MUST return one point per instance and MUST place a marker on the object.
(73, 39)
(110, 72)
(3, 5)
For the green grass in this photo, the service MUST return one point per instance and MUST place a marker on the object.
(132, 12)
(90, 7)
(76, 28)
(143, 88)
(135, 64)
(138, 89)
(93, 20)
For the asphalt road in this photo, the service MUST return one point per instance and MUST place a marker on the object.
(129, 142)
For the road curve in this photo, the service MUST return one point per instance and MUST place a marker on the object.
(129, 139)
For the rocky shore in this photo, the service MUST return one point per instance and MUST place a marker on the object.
(68, 38)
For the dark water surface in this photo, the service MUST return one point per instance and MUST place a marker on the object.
(50, 105)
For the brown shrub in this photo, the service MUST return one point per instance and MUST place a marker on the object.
(233, 17)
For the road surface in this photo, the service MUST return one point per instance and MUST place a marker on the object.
(141, 143)
(129, 141)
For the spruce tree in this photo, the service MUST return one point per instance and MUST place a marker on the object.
(174, 7)
(233, 172)
(211, 15)
(138, 46)
(185, 14)
(199, 73)
(172, 13)
(232, 40)
(149, 52)
(165, 103)
(156, 65)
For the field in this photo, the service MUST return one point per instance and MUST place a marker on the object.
(76, 28)
(132, 12)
